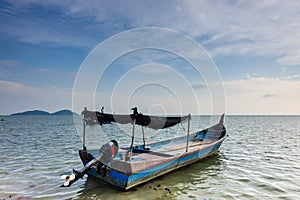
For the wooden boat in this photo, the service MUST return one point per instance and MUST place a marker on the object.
(134, 165)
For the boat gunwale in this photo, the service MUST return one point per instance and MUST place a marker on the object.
(163, 159)
(166, 171)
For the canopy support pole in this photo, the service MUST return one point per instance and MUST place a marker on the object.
(188, 134)
(83, 134)
(132, 137)
(143, 136)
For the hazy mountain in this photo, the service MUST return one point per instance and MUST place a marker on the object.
(63, 112)
(33, 112)
(40, 112)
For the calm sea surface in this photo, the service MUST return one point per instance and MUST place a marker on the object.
(259, 160)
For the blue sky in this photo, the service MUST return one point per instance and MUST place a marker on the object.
(254, 44)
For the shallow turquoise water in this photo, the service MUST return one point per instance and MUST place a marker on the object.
(259, 160)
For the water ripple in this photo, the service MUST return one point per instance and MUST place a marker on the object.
(259, 160)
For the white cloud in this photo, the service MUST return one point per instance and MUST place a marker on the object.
(12, 87)
(263, 95)
(291, 58)
(264, 28)
(6, 66)
(41, 70)
(231, 27)
(153, 68)
(16, 96)
(8, 63)
(268, 95)
(294, 77)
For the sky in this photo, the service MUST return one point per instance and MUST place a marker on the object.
(254, 45)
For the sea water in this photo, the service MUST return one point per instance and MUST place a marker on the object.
(259, 160)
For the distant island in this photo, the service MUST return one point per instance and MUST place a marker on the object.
(40, 112)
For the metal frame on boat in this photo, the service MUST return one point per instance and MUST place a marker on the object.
(134, 165)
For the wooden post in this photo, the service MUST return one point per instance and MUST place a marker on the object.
(188, 134)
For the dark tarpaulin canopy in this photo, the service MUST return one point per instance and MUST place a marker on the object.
(153, 122)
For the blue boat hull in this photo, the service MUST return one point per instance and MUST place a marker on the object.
(146, 165)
